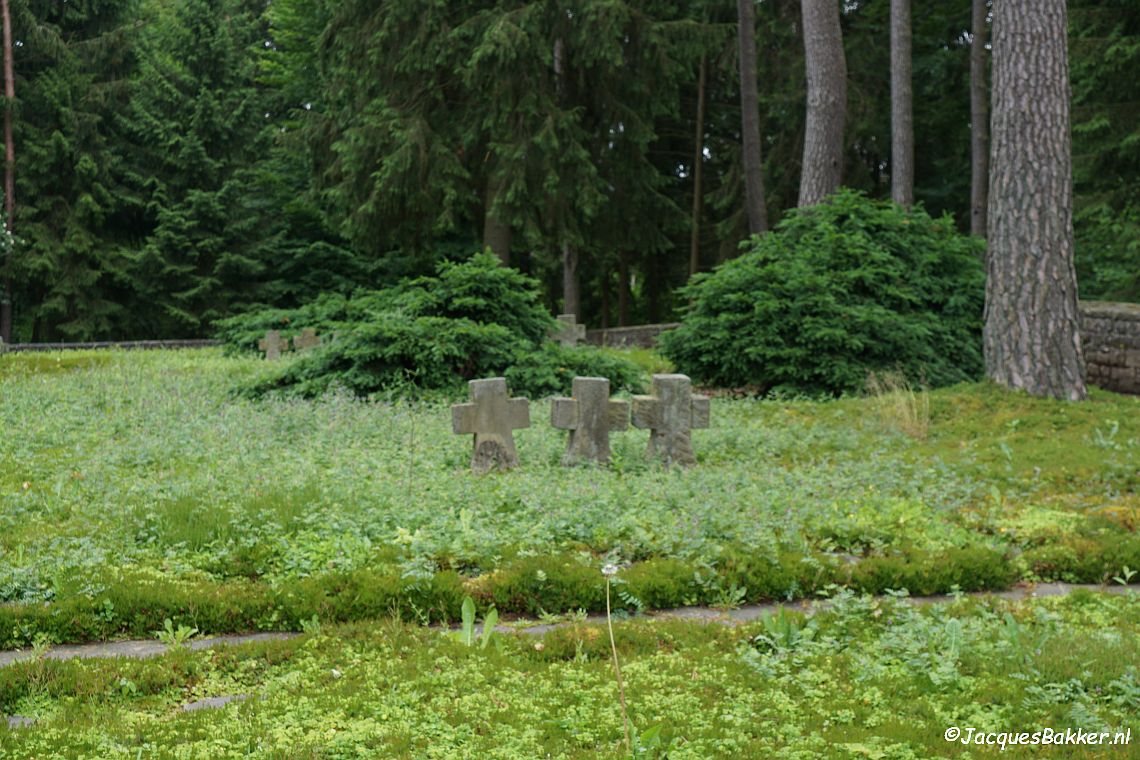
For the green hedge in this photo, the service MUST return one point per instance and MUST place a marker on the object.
(136, 606)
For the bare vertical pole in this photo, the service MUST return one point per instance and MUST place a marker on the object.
(979, 122)
(9, 171)
(902, 105)
(698, 163)
(751, 162)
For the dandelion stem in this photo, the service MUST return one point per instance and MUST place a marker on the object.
(617, 672)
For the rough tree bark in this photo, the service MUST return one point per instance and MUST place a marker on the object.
(571, 294)
(9, 171)
(826, 67)
(1031, 320)
(604, 280)
(979, 123)
(902, 106)
(624, 295)
(571, 298)
(698, 166)
(496, 232)
(754, 201)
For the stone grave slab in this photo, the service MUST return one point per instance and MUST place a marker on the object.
(671, 414)
(590, 414)
(491, 417)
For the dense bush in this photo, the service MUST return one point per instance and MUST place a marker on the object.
(473, 319)
(834, 292)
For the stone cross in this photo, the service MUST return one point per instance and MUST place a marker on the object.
(671, 413)
(272, 344)
(568, 332)
(589, 416)
(490, 417)
(307, 339)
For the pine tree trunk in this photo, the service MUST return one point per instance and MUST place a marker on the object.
(604, 280)
(979, 123)
(623, 289)
(9, 170)
(653, 289)
(571, 295)
(496, 232)
(750, 119)
(902, 106)
(698, 166)
(1030, 336)
(826, 67)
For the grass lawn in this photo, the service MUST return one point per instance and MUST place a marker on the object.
(138, 487)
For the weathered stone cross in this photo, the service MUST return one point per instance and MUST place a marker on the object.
(589, 416)
(307, 339)
(671, 413)
(272, 344)
(490, 417)
(568, 332)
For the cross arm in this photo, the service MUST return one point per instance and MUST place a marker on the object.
(645, 411)
(701, 412)
(564, 413)
(518, 411)
(463, 419)
(617, 414)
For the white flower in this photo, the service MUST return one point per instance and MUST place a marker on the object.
(610, 570)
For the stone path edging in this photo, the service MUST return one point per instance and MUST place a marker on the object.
(143, 648)
(151, 648)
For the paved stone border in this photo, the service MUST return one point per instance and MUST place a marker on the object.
(141, 649)
(137, 649)
(213, 703)
(144, 648)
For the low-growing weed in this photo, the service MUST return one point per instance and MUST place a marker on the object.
(175, 638)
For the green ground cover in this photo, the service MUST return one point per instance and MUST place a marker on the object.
(867, 678)
(136, 487)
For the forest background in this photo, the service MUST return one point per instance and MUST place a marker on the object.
(179, 162)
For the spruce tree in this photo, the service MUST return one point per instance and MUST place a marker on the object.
(68, 271)
(197, 126)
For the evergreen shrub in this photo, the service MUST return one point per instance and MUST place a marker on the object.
(835, 292)
(472, 319)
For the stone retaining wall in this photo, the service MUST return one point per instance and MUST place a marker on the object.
(129, 345)
(641, 336)
(1110, 337)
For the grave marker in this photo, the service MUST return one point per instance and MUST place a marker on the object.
(272, 344)
(491, 417)
(589, 416)
(568, 332)
(671, 413)
(306, 340)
